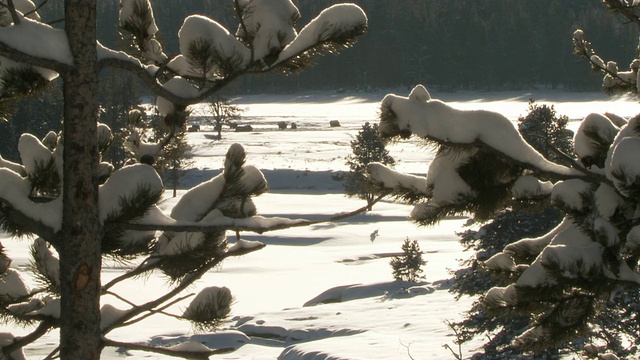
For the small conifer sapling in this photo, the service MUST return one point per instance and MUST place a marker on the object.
(408, 265)
(367, 148)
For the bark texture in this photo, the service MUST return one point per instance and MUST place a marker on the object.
(79, 245)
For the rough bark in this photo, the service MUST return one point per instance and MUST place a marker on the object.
(81, 232)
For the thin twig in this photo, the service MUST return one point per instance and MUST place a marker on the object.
(160, 310)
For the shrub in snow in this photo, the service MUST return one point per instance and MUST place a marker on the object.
(366, 148)
(81, 209)
(408, 265)
(562, 279)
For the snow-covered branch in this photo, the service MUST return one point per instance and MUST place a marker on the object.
(24, 222)
(187, 350)
(624, 7)
(36, 44)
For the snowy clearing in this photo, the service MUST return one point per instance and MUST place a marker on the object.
(325, 291)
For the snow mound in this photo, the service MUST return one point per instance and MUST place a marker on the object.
(388, 290)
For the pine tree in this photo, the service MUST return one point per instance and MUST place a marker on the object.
(408, 265)
(366, 148)
(81, 209)
(547, 133)
(560, 284)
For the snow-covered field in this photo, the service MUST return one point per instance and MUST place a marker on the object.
(278, 310)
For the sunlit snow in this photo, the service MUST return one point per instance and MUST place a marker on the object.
(375, 317)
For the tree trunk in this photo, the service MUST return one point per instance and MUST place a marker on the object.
(81, 232)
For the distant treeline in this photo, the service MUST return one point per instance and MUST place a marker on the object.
(453, 44)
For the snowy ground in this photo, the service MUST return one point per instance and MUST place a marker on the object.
(369, 315)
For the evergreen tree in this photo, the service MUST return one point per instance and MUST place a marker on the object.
(366, 148)
(564, 280)
(546, 131)
(81, 209)
(408, 265)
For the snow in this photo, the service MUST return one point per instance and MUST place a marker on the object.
(270, 22)
(533, 246)
(528, 186)
(127, 13)
(23, 7)
(607, 200)
(624, 161)
(501, 261)
(244, 244)
(213, 298)
(501, 296)
(46, 261)
(15, 190)
(331, 22)
(633, 239)
(390, 178)
(583, 144)
(572, 194)
(51, 308)
(33, 153)
(194, 205)
(437, 120)
(12, 287)
(38, 39)
(178, 86)
(271, 286)
(123, 184)
(444, 179)
(6, 339)
(198, 29)
(18, 168)
(109, 314)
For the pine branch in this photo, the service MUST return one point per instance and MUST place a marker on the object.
(234, 225)
(22, 57)
(185, 283)
(624, 9)
(14, 221)
(166, 351)
(593, 177)
(134, 67)
(239, 14)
